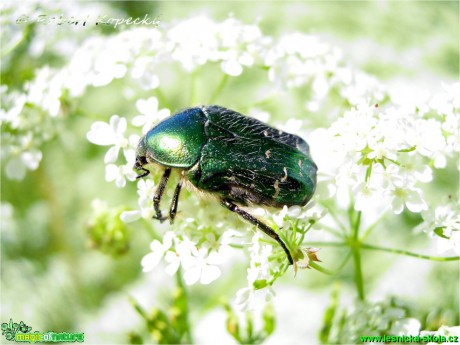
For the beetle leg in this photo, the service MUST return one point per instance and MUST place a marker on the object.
(145, 173)
(175, 200)
(159, 194)
(269, 231)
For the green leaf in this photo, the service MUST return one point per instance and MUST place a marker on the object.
(410, 149)
(260, 284)
(328, 317)
(268, 317)
(440, 232)
(134, 338)
(232, 324)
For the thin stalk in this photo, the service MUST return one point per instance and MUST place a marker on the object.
(331, 272)
(326, 244)
(180, 283)
(359, 282)
(219, 88)
(163, 99)
(331, 231)
(367, 232)
(405, 252)
(358, 273)
(317, 267)
(193, 88)
(336, 218)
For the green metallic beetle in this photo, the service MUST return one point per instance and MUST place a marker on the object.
(238, 159)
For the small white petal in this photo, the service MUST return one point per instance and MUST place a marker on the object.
(174, 262)
(130, 216)
(130, 156)
(31, 159)
(414, 201)
(192, 275)
(15, 169)
(150, 261)
(209, 274)
(243, 295)
(101, 134)
(111, 172)
(139, 120)
(232, 67)
(397, 205)
(111, 155)
(120, 181)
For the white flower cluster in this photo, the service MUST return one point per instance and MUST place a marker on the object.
(138, 53)
(113, 134)
(443, 223)
(449, 333)
(383, 154)
(385, 317)
(199, 252)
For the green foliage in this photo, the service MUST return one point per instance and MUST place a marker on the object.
(106, 231)
(241, 327)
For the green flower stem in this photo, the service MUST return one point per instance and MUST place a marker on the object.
(181, 285)
(358, 272)
(26, 36)
(405, 252)
(327, 244)
(336, 218)
(163, 99)
(193, 92)
(367, 232)
(356, 253)
(331, 231)
(317, 267)
(219, 88)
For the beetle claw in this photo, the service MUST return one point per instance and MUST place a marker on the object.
(160, 218)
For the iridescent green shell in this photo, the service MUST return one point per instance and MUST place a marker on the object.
(234, 156)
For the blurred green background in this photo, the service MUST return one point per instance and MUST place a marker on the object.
(54, 279)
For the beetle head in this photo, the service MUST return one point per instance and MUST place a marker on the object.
(141, 158)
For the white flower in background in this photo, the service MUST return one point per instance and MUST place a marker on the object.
(358, 87)
(443, 223)
(238, 45)
(254, 295)
(298, 59)
(259, 268)
(16, 167)
(173, 259)
(46, 89)
(279, 217)
(145, 190)
(12, 113)
(23, 157)
(143, 72)
(405, 327)
(250, 299)
(119, 174)
(201, 266)
(445, 331)
(366, 196)
(193, 42)
(407, 195)
(150, 114)
(151, 260)
(113, 133)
